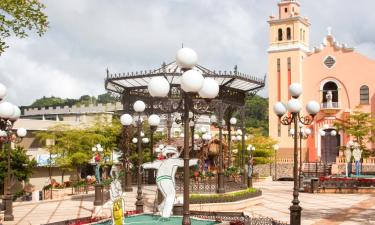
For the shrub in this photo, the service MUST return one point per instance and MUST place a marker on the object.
(227, 197)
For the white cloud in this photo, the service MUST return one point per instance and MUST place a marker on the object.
(87, 36)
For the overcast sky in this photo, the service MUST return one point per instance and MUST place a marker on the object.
(87, 36)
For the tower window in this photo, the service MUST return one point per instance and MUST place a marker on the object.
(280, 34)
(288, 34)
(278, 65)
(364, 95)
(286, 10)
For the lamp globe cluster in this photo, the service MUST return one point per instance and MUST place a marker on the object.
(192, 80)
(9, 112)
(294, 105)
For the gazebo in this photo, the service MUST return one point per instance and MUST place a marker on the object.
(184, 97)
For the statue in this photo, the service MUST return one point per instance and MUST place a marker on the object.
(357, 154)
(348, 159)
(165, 177)
(118, 204)
(329, 99)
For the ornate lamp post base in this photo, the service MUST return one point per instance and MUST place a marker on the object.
(295, 215)
(249, 182)
(8, 202)
(139, 206)
(220, 176)
(98, 195)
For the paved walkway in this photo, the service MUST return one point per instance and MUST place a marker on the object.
(324, 209)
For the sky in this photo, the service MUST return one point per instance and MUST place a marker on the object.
(87, 36)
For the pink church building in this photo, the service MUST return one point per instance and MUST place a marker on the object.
(335, 75)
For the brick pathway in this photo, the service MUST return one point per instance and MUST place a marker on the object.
(324, 209)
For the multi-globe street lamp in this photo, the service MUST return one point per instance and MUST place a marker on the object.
(9, 114)
(294, 106)
(127, 121)
(302, 133)
(232, 123)
(192, 83)
(250, 166)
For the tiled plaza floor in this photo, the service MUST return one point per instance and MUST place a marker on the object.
(324, 209)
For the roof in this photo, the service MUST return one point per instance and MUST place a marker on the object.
(139, 80)
(38, 125)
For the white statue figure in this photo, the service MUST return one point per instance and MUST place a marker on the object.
(117, 201)
(357, 154)
(329, 99)
(165, 177)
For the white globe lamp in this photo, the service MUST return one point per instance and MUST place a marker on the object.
(292, 131)
(307, 131)
(3, 133)
(213, 119)
(3, 91)
(154, 120)
(333, 133)
(139, 106)
(16, 114)
(294, 106)
(192, 81)
(21, 132)
(276, 147)
(279, 109)
(186, 58)
(210, 89)
(135, 140)
(158, 87)
(233, 121)
(126, 119)
(295, 90)
(6, 110)
(322, 133)
(313, 108)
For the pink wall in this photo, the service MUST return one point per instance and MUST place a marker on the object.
(351, 71)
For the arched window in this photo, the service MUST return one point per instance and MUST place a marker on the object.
(330, 95)
(364, 94)
(288, 34)
(280, 34)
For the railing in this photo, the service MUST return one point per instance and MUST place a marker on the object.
(208, 184)
(331, 105)
(369, 160)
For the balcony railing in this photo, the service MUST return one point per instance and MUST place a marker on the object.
(330, 105)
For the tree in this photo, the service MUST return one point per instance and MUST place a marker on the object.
(17, 17)
(256, 113)
(264, 152)
(360, 126)
(21, 164)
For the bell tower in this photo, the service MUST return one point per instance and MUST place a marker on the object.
(288, 46)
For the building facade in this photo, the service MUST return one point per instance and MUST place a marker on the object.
(333, 74)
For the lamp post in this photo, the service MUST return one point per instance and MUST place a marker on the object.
(99, 198)
(327, 143)
(276, 148)
(126, 120)
(9, 114)
(153, 121)
(139, 107)
(294, 117)
(302, 133)
(192, 83)
(250, 167)
(232, 123)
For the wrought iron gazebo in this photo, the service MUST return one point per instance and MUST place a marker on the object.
(234, 87)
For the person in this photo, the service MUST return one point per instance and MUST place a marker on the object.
(165, 177)
(357, 154)
(348, 159)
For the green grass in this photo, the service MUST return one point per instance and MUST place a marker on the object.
(226, 197)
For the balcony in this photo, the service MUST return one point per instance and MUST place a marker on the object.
(330, 107)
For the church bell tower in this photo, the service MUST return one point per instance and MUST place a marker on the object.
(288, 46)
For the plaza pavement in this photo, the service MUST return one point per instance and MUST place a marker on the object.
(325, 209)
